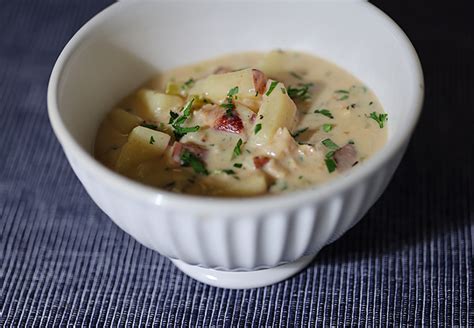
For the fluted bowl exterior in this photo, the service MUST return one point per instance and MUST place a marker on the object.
(117, 50)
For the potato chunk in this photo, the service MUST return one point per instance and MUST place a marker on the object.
(227, 185)
(143, 144)
(216, 86)
(156, 106)
(108, 137)
(123, 121)
(277, 111)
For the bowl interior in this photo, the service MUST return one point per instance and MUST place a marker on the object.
(129, 42)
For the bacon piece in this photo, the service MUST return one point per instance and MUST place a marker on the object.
(259, 81)
(179, 147)
(229, 123)
(345, 157)
(260, 161)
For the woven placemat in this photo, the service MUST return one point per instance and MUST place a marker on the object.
(63, 262)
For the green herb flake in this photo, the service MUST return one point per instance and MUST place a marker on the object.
(237, 151)
(150, 126)
(188, 84)
(232, 92)
(298, 132)
(299, 93)
(283, 90)
(152, 140)
(190, 159)
(343, 94)
(328, 143)
(343, 97)
(296, 75)
(230, 106)
(330, 154)
(258, 127)
(327, 127)
(330, 164)
(272, 86)
(238, 165)
(176, 122)
(324, 112)
(173, 117)
(351, 142)
(379, 118)
(228, 171)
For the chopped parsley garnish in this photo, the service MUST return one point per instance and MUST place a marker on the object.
(324, 112)
(301, 92)
(272, 86)
(327, 127)
(343, 94)
(173, 116)
(371, 103)
(150, 126)
(189, 159)
(232, 92)
(180, 131)
(283, 90)
(296, 75)
(229, 105)
(328, 143)
(258, 127)
(330, 154)
(379, 118)
(298, 132)
(237, 151)
(176, 121)
(188, 84)
(351, 142)
(330, 164)
(238, 165)
(152, 140)
(228, 171)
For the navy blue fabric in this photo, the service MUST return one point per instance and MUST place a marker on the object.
(63, 262)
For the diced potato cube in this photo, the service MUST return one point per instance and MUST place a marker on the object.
(108, 137)
(110, 157)
(215, 87)
(226, 185)
(123, 121)
(143, 144)
(247, 116)
(277, 111)
(156, 106)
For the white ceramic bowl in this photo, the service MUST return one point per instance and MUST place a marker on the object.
(233, 243)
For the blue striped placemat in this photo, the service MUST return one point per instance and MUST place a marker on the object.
(63, 262)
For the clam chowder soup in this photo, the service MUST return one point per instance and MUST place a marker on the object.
(245, 124)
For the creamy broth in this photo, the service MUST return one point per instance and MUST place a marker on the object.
(243, 125)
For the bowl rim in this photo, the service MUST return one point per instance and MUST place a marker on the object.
(208, 204)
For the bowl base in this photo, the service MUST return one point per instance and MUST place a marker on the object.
(243, 279)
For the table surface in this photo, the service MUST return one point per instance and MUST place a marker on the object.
(408, 262)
